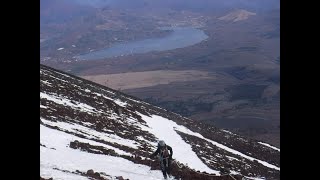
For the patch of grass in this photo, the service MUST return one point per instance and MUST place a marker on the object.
(246, 92)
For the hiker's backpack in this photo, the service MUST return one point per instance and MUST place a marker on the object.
(164, 153)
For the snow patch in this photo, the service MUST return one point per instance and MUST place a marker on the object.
(67, 102)
(92, 133)
(268, 145)
(158, 125)
(44, 107)
(117, 101)
(187, 131)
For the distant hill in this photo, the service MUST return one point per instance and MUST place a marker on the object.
(238, 15)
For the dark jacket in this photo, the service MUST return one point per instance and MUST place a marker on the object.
(159, 151)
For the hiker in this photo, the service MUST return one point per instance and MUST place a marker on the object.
(164, 157)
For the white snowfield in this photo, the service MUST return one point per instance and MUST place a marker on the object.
(59, 155)
(182, 151)
(64, 158)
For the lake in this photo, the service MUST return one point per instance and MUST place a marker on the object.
(180, 37)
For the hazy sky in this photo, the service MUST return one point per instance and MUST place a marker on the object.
(252, 4)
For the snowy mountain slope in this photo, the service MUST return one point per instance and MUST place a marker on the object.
(86, 126)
